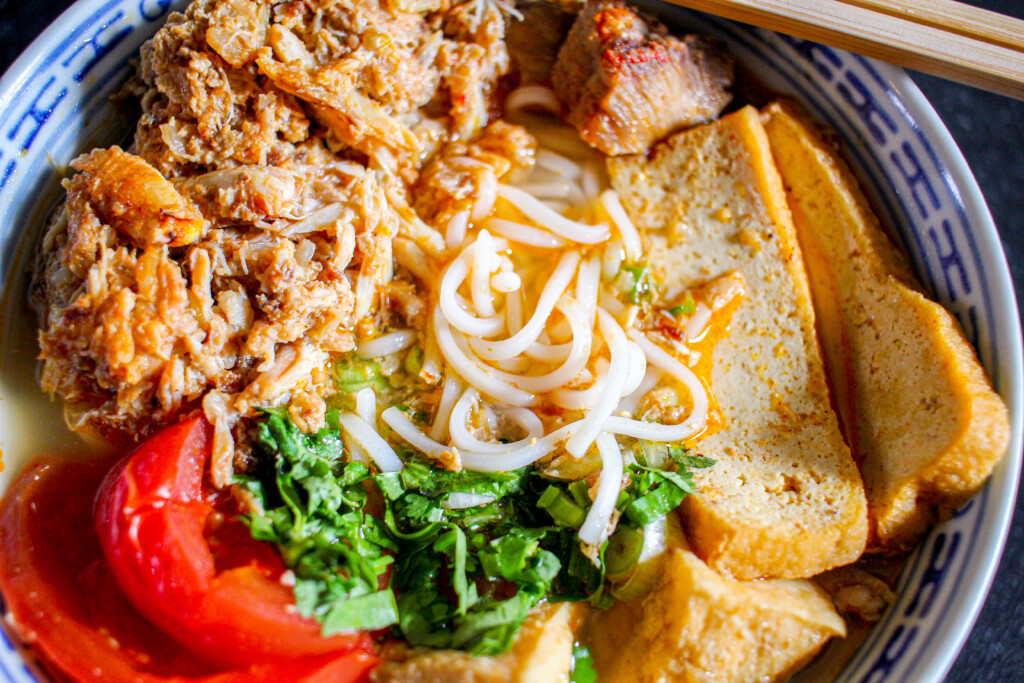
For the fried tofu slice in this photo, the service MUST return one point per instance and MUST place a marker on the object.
(921, 416)
(784, 498)
(541, 653)
(698, 626)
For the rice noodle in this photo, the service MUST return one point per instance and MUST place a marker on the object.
(524, 234)
(554, 189)
(532, 208)
(582, 399)
(588, 284)
(506, 282)
(698, 323)
(556, 205)
(630, 237)
(611, 259)
(629, 403)
(526, 419)
(618, 370)
(480, 379)
(637, 368)
(521, 340)
(464, 440)
(432, 369)
(480, 278)
(385, 345)
(521, 457)
(589, 181)
(532, 97)
(558, 164)
(514, 312)
(461, 319)
(572, 366)
(455, 233)
(371, 442)
(549, 353)
(486, 194)
(449, 395)
(405, 428)
(651, 431)
(595, 527)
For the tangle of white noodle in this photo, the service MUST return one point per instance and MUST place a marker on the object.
(595, 526)
(618, 371)
(551, 220)
(449, 395)
(480, 379)
(393, 342)
(524, 234)
(532, 97)
(652, 431)
(574, 363)
(371, 442)
(558, 164)
(581, 399)
(521, 340)
(627, 231)
(465, 441)
(521, 457)
(460, 318)
(480, 278)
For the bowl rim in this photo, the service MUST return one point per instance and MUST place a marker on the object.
(1003, 484)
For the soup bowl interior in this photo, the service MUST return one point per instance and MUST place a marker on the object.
(55, 103)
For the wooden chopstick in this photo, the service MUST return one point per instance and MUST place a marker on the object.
(957, 17)
(940, 37)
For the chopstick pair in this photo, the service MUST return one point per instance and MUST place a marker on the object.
(941, 37)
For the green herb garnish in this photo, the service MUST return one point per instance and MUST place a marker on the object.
(688, 307)
(352, 375)
(643, 283)
(464, 577)
(314, 511)
(582, 666)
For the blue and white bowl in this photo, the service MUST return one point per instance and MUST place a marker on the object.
(54, 104)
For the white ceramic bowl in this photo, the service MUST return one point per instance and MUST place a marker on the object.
(54, 105)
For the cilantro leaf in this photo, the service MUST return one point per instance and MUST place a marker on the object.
(458, 578)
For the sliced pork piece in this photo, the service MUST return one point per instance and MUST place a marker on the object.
(627, 83)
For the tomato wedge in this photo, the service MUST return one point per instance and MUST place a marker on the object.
(62, 598)
(151, 514)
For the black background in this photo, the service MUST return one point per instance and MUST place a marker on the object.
(990, 131)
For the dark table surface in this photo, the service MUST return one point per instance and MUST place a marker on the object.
(990, 132)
